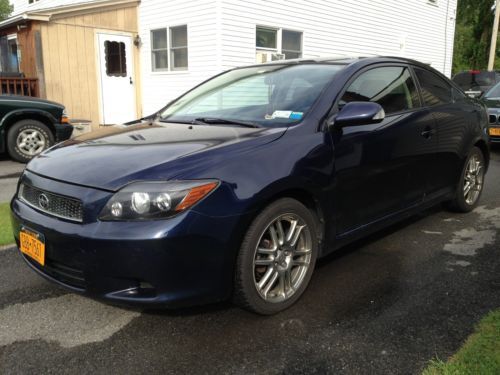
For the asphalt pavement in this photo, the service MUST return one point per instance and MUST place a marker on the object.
(384, 305)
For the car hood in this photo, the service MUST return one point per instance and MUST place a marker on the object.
(492, 103)
(28, 99)
(115, 156)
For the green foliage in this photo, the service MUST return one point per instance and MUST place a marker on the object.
(5, 9)
(479, 355)
(6, 236)
(473, 35)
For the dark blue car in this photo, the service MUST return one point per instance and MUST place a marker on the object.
(236, 188)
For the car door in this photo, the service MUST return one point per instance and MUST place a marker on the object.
(380, 169)
(453, 114)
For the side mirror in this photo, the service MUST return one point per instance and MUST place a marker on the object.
(359, 113)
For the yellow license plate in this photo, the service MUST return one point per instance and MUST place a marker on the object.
(495, 131)
(33, 245)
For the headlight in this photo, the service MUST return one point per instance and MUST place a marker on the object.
(156, 200)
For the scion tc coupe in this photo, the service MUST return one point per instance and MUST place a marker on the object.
(236, 188)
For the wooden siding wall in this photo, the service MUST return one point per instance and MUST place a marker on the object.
(70, 59)
(26, 43)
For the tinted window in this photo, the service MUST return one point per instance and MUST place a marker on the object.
(435, 91)
(468, 80)
(391, 87)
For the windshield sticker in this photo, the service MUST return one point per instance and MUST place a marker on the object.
(296, 115)
(281, 114)
(285, 114)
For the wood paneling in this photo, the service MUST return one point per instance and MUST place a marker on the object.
(70, 58)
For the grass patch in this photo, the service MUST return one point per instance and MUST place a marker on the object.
(6, 236)
(479, 355)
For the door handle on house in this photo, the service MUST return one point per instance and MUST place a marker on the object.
(428, 132)
(131, 82)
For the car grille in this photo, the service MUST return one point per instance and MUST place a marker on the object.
(52, 204)
(493, 119)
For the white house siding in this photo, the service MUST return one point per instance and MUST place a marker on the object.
(21, 6)
(410, 28)
(201, 17)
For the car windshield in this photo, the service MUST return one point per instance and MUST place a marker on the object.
(494, 92)
(268, 95)
(469, 80)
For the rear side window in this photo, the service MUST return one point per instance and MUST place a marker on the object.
(391, 87)
(435, 91)
(468, 80)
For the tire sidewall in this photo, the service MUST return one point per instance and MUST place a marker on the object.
(244, 269)
(14, 151)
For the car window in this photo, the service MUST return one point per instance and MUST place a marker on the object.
(435, 91)
(391, 87)
(494, 92)
(474, 79)
(463, 80)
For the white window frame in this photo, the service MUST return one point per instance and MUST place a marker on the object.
(170, 69)
(279, 39)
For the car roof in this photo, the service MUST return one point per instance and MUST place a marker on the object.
(349, 60)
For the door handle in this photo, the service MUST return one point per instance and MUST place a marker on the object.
(131, 82)
(428, 132)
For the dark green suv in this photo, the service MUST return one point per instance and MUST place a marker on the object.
(30, 125)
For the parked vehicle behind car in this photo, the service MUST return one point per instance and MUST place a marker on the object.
(237, 187)
(476, 82)
(492, 101)
(30, 125)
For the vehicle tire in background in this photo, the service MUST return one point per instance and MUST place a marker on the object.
(28, 138)
(277, 258)
(471, 183)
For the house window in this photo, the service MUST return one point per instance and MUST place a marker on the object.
(267, 38)
(277, 44)
(178, 48)
(291, 45)
(169, 49)
(116, 63)
(32, 1)
(9, 59)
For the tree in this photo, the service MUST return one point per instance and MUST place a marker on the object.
(5, 9)
(473, 34)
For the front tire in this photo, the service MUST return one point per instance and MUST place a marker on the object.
(28, 138)
(471, 183)
(277, 258)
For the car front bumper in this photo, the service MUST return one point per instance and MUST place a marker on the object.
(181, 261)
(63, 132)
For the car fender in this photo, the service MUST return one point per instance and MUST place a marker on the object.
(23, 112)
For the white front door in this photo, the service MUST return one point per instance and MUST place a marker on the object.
(117, 79)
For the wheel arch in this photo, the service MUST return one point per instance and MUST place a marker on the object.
(307, 197)
(13, 117)
(483, 146)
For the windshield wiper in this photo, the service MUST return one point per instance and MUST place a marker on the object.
(221, 121)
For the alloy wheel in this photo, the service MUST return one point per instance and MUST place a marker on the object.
(282, 258)
(473, 180)
(31, 142)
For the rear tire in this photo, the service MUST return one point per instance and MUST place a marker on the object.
(28, 138)
(471, 183)
(277, 258)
